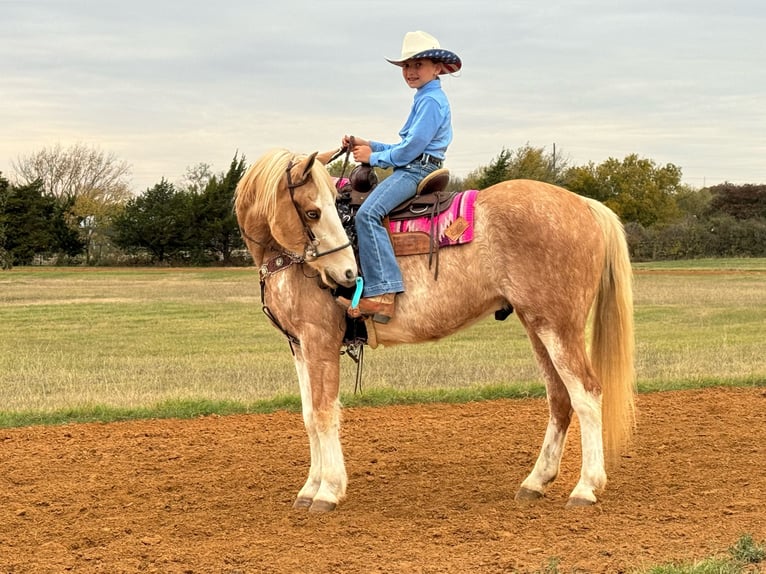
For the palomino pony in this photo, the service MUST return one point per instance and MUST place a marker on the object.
(554, 256)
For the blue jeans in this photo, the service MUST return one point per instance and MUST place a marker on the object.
(379, 267)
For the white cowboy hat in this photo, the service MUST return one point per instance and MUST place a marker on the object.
(422, 45)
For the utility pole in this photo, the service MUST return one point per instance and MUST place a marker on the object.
(554, 174)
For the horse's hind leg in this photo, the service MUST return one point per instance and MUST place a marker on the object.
(572, 387)
(327, 479)
(546, 467)
(573, 365)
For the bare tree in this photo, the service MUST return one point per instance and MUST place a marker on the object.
(91, 184)
(196, 178)
(76, 171)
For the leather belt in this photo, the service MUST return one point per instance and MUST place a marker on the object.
(425, 158)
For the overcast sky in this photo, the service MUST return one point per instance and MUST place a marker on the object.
(169, 84)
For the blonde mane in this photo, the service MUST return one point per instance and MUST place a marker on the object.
(259, 186)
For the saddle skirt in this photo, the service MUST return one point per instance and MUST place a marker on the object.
(426, 223)
(421, 234)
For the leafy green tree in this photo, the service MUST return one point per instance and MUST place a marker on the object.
(5, 258)
(635, 188)
(67, 238)
(526, 162)
(157, 222)
(740, 201)
(489, 175)
(95, 220)
(216, 231)
(535, 163)
(33, 223)
(693, 202)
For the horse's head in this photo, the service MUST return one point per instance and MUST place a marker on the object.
(290, 200)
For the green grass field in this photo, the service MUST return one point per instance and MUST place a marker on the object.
(83, 344)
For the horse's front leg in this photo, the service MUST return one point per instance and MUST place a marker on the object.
(319, 379)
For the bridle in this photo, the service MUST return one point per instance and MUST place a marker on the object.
(285, 259)
(311, 249)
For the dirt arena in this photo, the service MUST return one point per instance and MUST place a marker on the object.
(430, 490)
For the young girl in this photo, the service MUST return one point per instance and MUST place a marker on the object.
(425, 137)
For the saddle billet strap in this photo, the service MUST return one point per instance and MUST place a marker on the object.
(434, 252)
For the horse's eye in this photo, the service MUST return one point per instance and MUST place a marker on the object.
(312, 214)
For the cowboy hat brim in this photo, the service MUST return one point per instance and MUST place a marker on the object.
(450, 60)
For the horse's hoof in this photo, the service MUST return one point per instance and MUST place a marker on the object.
(320, 506)
(579, 502)
(528, 495)
(302, 503)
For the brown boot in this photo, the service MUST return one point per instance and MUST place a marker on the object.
(380, 307)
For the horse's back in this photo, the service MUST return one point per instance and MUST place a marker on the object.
(539, 213)
(535, 203)
(540, 238)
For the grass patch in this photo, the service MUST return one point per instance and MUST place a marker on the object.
(743, 557)
(193, 408)
(174, 408)
(733, 263)
(110, 344)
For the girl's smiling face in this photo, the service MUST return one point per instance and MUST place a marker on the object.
(418, 72)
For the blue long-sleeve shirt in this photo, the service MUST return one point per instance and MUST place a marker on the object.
(428, 130)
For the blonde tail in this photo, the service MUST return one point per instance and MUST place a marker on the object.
(612, 342)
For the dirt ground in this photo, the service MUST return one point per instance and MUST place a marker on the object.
(430, 490)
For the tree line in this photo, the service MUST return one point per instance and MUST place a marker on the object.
(74, 206)
(664, 218)
(93, 219)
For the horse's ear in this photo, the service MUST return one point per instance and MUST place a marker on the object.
(302, 170)
(324, 158)
(308, 164)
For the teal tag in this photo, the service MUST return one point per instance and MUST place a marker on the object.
(357, 293)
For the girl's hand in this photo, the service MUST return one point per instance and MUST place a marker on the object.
(352, 141)
(362, 152)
